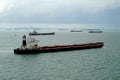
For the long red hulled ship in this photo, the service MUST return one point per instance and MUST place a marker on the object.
(36, 49)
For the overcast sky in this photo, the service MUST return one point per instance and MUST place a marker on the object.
(60, 11)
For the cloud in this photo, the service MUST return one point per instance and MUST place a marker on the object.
(1, 6)
(43, 6)
(47, 10)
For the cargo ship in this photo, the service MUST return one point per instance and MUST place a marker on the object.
(34, 48)
(95, 31)
(36, 33)
(76, 31)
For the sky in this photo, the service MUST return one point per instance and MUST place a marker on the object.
(60, 11)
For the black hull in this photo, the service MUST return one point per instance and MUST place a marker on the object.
(95, 31)
(41, 33)
(75, 31)
(59, 48)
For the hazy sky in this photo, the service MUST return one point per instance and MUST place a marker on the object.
(60, 11)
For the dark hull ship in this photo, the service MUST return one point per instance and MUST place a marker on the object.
(42, 33)
(45, 49)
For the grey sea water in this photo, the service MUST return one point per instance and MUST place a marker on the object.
(91, 64)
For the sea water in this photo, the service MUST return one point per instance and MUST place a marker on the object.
(91, 64)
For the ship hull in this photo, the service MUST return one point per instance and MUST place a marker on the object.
(75, 31)
(95, 31)
(46, 49)
(42, 33)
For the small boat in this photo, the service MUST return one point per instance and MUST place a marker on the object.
(34, 48)
(45, 33)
